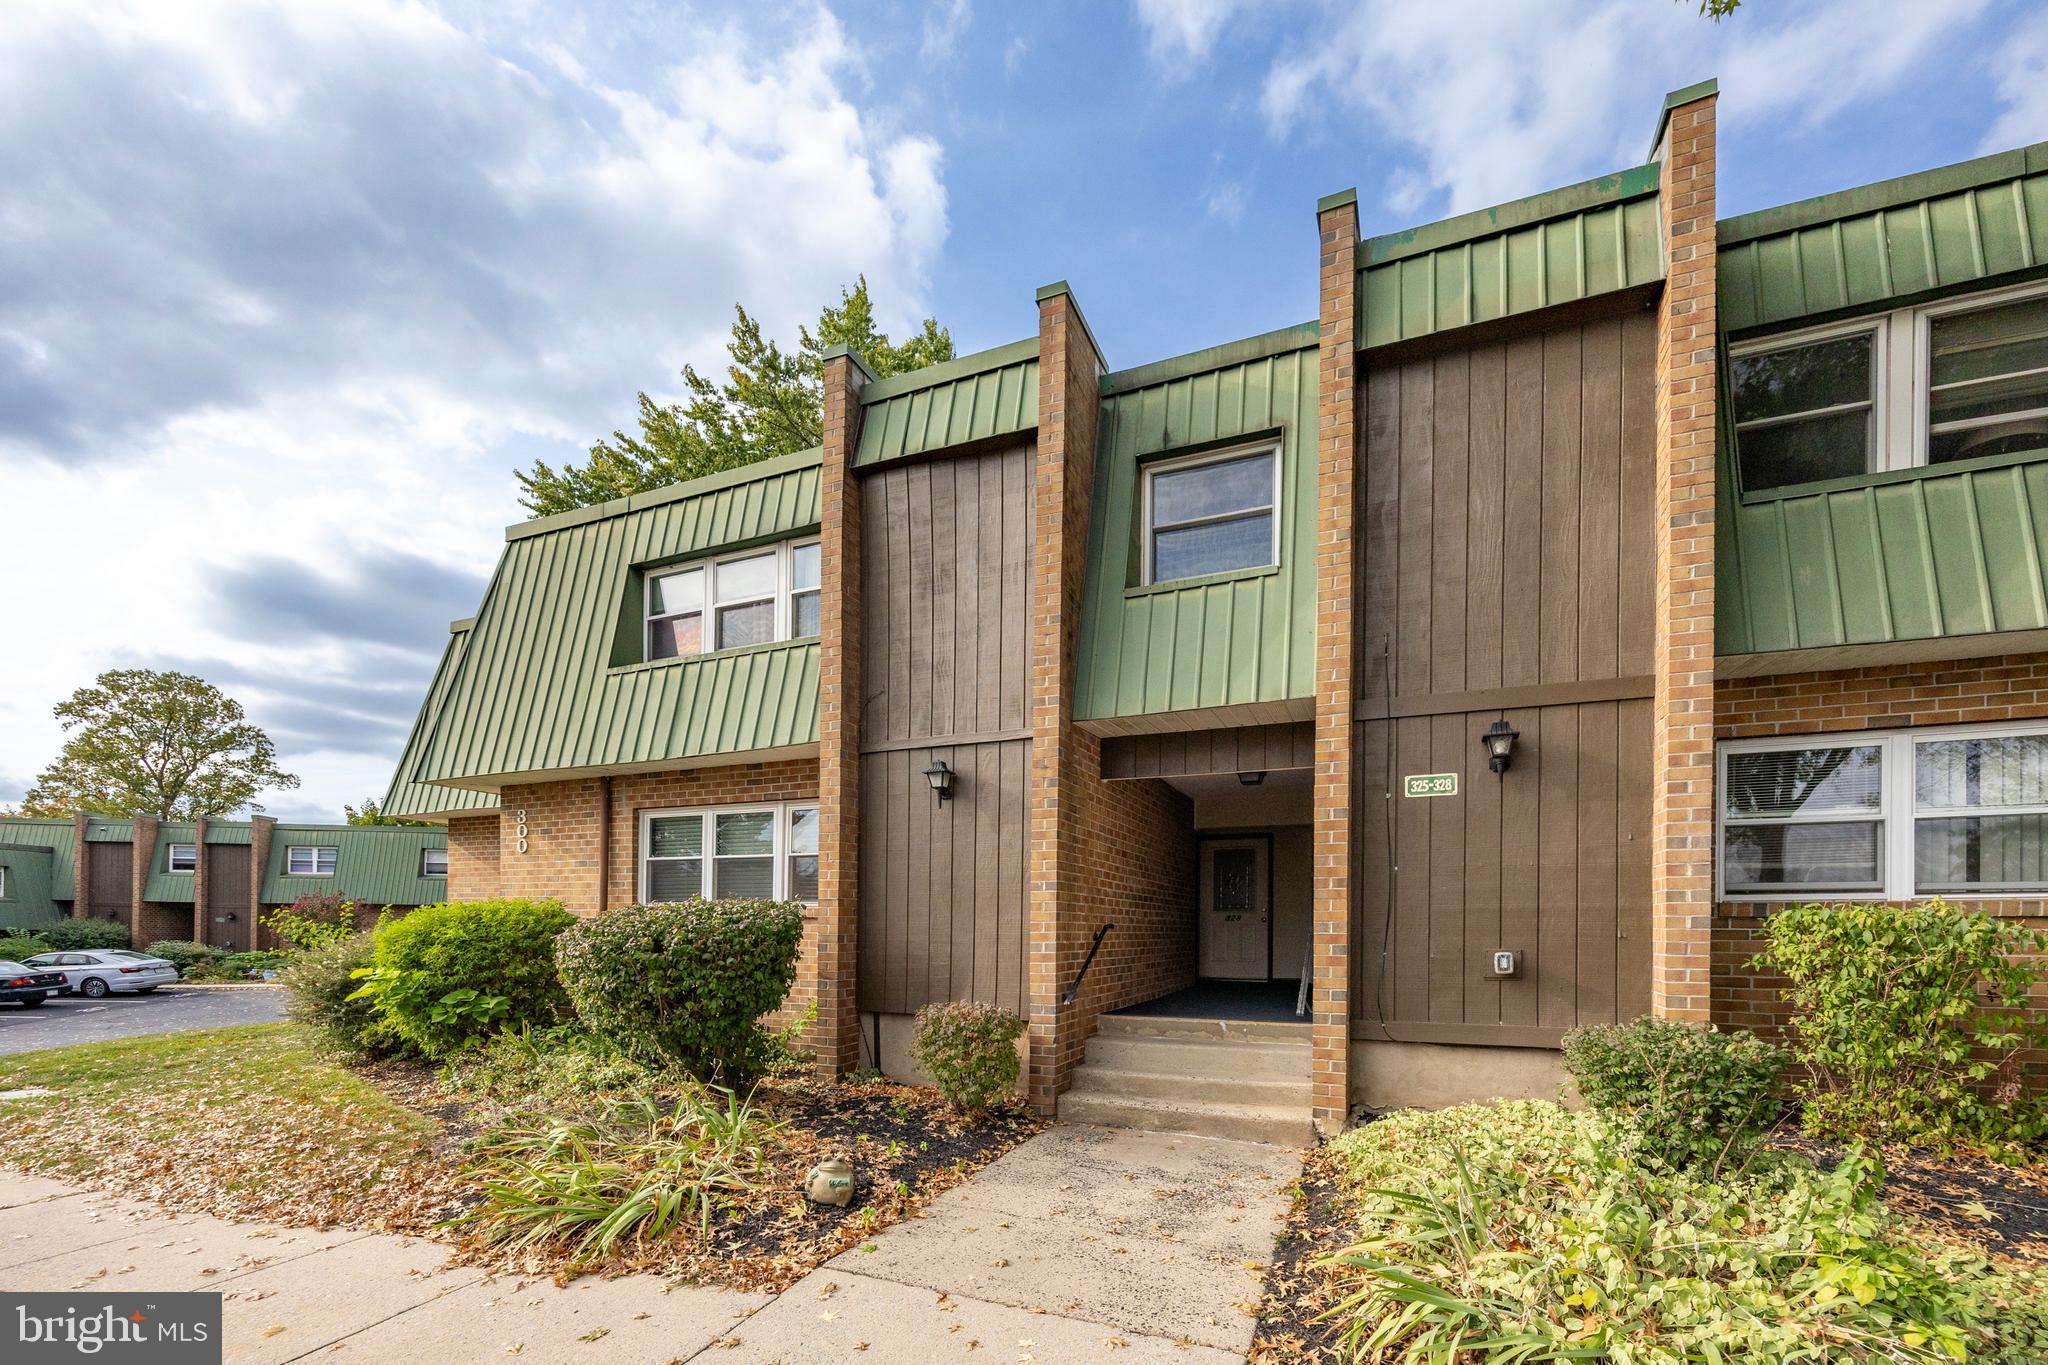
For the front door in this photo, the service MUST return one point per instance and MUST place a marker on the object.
(1236, 909)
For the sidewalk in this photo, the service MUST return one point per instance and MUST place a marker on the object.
(1083, 1244)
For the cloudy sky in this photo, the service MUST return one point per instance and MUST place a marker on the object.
(287, 290)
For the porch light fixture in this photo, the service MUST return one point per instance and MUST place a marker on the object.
(941, 778)
(1499, 743)
(1251, 779)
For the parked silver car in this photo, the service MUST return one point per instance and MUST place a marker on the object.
(96, 973)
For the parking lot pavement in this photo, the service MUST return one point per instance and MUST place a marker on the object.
(67, 1019)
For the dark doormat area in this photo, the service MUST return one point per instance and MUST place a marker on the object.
(1252, 1001)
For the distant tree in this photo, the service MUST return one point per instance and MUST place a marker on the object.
(163, 744)
(369, 813)
(771, 403)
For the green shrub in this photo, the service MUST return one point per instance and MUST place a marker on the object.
(628, 1177)
(1689, 1096)
(447, 976)
(184, 954)
(312, 921)
(83, 935)
(21, 946)
(1910, 1023)
(321, 988)
(1525, 1229)
(685, 985)
(969, 1050)
(564, 1066)
(243, 966)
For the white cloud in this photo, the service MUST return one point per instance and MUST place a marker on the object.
(944, 23)
(1180, 33)
(1226, 202)
(2020, 72)
(288, 287)
(1501, 98)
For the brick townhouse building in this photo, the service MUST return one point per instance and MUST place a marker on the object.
(1475, 660)
(209, 881)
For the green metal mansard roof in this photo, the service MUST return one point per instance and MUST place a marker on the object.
(373, 864)
(958, 402)
(1561, 246)
(550, 681)
(409, 796)
(1234, 640)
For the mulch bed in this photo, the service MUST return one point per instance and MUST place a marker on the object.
(1315, 1226)
(2001, 1211)
(905, 1144)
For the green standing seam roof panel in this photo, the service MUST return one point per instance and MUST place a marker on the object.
(374, 865)
(408, 796)
(993, 393)
(54, 835)
(1229, 641)
(536, 691)
(29, 901)
(162, 884)
(1562, 246)
(1867, 247)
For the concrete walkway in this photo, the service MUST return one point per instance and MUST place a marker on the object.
(1083, 1244)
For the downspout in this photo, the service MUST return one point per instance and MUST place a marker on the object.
(604, 843)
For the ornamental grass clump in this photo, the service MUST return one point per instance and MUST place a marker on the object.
(604, 1186)
(1687, 1096)
(969, 1049)
(683, 987)
(1911, 1024)
(1519, 1231)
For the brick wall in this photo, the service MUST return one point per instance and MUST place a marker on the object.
(1890, 697)
(473, 857)
(1682, 791)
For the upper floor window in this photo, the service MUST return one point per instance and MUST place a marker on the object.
(302, 860)
(5, 892)
(182, 858)
(433, 862)
(750, 852)
(1211, 514)
(753, 598)
(1898, 815)
(1915, 386)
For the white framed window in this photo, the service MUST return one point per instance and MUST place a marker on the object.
(754, 597)
(308, 860)
(1945, 381)
(1893, 815)
(182, 858)
(1212, 513)
(5, 873)
(433, 862)
(764, 852)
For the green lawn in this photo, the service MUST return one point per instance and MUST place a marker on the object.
(247, 1122)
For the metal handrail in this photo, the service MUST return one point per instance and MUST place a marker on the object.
(1074, 991)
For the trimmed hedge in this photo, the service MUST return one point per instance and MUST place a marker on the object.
(184, 954)
(685, 985)
(969, 1049)
(23, 946)
(83, 935)
(448, 976)
(1691, 1097)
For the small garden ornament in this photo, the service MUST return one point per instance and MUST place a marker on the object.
(830, 1182)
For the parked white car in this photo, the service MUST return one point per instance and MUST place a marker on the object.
(96, 973)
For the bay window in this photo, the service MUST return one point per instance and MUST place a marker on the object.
(726, 853)
(1895, 815)
(1954, 380)
(756, 597)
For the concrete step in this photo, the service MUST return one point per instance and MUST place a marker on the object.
(1251, 1061)
(1174, 1026)
(1208, 1088)
(1283, 1125)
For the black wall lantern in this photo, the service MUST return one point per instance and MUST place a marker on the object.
(941, 778)
(1499, 743)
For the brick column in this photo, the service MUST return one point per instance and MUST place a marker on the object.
(141, 852)
(260, 828)
(1336, 475)
(81, 868)
(199, 880)
(834, 962)
(1070, 369)
(1682, 792)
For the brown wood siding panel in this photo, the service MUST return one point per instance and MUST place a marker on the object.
(112, 865)
(1249, 748)
(1506, 508)
(227, 877)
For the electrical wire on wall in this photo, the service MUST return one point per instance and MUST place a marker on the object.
(1379, 985)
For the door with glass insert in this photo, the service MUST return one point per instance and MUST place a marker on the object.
(1236, 910)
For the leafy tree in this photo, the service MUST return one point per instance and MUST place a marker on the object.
(163, 744)
(1717, 10)
(771, 403)
(370, 813)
